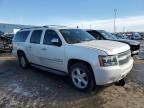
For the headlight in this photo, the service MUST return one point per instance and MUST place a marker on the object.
(108, 60)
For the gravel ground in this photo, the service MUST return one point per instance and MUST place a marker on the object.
(35, 88)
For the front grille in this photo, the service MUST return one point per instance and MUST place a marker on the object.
(124, 57)
(124, 53)
(124, 61)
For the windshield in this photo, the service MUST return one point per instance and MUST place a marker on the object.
(76, 35)
(108, 35)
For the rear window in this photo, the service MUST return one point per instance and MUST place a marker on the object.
(21, 36)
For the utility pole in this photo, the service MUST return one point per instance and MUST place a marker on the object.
(115, 15)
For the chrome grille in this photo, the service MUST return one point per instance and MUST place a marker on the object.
(124, 57)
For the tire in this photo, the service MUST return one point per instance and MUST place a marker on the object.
(23, 62)
(120, 83)
(82, 77)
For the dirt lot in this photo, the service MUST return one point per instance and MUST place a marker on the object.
(35, 88)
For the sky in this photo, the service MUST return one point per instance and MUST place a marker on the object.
(95, 14)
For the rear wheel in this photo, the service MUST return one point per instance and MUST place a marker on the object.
(82, 77)
(23, 62)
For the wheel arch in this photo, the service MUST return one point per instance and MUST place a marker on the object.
(19, 52)
(73, 61)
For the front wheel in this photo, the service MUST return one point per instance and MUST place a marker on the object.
(120, 83)
(82, 77)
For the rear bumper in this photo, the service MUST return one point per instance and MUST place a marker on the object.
(107, 75)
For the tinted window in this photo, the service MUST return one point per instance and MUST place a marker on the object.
(49, 35)
(76, 35)
(107, 35)
(21, 36)
(36, 36)
(96, 35)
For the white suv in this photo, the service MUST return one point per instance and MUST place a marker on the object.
(74, 52)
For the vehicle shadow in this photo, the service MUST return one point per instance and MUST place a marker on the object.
(36, 84)
(62, 88)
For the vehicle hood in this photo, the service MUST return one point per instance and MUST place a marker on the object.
(110, 47)
(127, 41)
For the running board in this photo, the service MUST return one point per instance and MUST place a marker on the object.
(53, 71)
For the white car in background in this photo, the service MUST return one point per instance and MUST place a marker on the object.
(73, 52)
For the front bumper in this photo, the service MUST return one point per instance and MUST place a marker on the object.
(135, 52)
(135, 49)
(107, 75)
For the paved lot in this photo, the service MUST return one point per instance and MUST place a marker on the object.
(34, 88)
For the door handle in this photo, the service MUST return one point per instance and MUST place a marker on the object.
(43, 49)
(30, 46)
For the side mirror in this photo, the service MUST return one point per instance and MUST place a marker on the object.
(56, 42)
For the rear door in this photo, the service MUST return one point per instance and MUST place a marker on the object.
(34, 46)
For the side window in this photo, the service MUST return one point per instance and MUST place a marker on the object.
(36, 36)
(49, 36)
(21, 36)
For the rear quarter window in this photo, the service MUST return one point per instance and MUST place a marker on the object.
(21, 36)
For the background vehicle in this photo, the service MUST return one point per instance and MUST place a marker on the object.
(103, 35)
(142, 35)
(74, 52)
(120, 36)
(8, 36)
(6, 42)
(136, 36)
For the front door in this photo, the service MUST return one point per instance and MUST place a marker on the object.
(52, 55)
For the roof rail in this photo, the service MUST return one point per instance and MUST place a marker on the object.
(53, 26)
(46, 26)
(30, 27)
